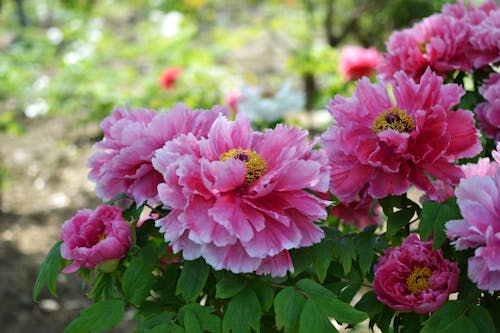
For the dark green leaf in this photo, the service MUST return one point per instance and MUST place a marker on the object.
(229, 286)
(138, 278)
(482, 319)
(288, 306)
(161, 328)
(265, 292)
(202, 316)
(191, 322)
(312, 288)
(302, 259)
(450, 318)
(434, 217)
(347, 294)
(346, 252)
(99, 317)
(243, 313)
(314, 320)
(322, 257)
(364, 248)
(338, 310)
(160, 319)
(397, 220)
(49, 271)
(369, 303)
(193, 278)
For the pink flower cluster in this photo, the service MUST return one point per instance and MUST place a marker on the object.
(131, 136)
(356, 62)
(379, 147)
(415, 278)
(478, 197)
(488, 113)
(100, 237)
(458, 38)
(238, 198)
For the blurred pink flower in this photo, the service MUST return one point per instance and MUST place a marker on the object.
(123, 160)
(169, 77)
(238, 197)
(379, 147)
(415, 278)
(356, 62)
(232, 100)
(478, 199)
(360, 213)
(488, 113)
(90, 238)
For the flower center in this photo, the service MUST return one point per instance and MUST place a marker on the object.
(102, 237)
(395, 119)
(418, 279)
(255, 164)
(421, 47)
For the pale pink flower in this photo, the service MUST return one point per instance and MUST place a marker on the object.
(123, 160)
(479, 200)
(233, 99)
(101, 237)
(238, 198)
(488, 113)
(380, 147)
(169, 77)
(356, 62)
(415, 278)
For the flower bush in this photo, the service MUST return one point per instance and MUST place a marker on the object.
(389, 220)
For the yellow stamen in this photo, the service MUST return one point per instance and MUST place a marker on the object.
(395, 119)
(422, 46)
(256, 165)
(102, 237)
(418, 279)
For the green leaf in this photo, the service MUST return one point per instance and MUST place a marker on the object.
(434, 217)
(243, 313)
(314, 320)
(482, 319)
(312, 288)
(322, 257)
(229, 286)
(192, 279)
(302, 259)
(364, 249)
(151, 323)
(450, 318)
(265, 292)
(99, 317)
(138, 278)
(338, 310)
(288, 306)
(346, 252)
(161, 328)
(369, 303)
(202, 318)
(191, 322)
(49, 271)
(397, 220)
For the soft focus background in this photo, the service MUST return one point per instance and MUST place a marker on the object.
(65, 64)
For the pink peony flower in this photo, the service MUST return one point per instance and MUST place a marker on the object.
(479, 200)
(123, 162)
(488, 113)
(169, 77)
(484, 166)
(414, 278)
(379, 147)
(100, 237)
(451, 40)
(356, 62)
(238, 197)
(361, 213)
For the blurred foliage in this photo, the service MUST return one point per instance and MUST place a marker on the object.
(86, 56)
